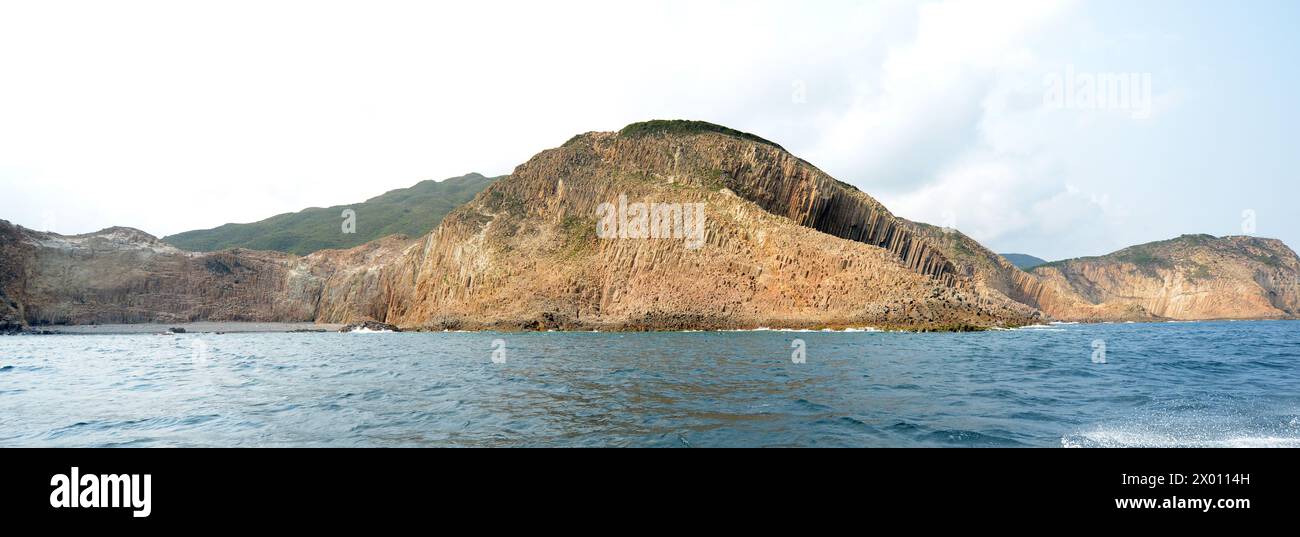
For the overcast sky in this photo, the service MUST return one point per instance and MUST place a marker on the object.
(170, 116)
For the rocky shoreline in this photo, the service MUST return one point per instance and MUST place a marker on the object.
(783, 246)
(515, 328)
(173, 329)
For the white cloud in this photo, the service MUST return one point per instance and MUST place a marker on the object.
(168, 116)
(926, 107)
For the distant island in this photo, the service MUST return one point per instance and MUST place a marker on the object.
(1024, 261)
(784, 246)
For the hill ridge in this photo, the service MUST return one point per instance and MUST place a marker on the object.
(411, 211)
(785, 245)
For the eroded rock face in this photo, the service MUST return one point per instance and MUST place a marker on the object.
(13, 255)
(1194, 277)
(355, 285)
(122, 275)
(993, 273)
(525, 252)
(10, 320)
(784, 245)
(776, 181)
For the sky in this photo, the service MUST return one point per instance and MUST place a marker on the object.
(171, 116)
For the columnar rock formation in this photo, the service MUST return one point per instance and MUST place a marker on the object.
(996, 274)
(1193, 277)
(776, 181)
(525, 253)
(782, 245)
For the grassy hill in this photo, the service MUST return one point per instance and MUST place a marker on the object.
(409, 211)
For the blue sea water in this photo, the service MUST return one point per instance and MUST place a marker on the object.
(1175, 384)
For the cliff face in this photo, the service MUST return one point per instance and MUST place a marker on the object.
(778, 183)
(996, 274)
(783, 245)
(11, 318)
(122, 275)
(357, 284)
(601, 234)
(1193, 277)
(13, 254)
(778, 244)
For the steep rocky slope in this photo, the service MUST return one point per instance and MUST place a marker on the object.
(781, 244)
(123, 275)
(777, 181)
(1193, 277)
(996, 274)
(784, 245)
(11, 319)
(15, 253)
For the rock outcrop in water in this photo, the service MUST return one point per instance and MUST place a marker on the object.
(784, 245)
(370, 326)
(781, 244)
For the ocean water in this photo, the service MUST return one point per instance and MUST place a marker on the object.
(1177, 384)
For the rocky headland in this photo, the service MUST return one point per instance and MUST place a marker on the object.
(1189, 278)
(123, 275)
(778, 243)
(784, 245)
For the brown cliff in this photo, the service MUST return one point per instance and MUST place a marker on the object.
(994, 273)
(123, 275)
(524, 253)
(1193, 277)
(775, 180)
(783, 245)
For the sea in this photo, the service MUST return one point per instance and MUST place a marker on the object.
(1203, 384)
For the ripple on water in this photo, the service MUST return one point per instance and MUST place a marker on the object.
(1166, 385)
(968, 439)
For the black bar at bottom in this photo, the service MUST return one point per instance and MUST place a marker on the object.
(232, 487)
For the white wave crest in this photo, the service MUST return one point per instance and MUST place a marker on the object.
(1116, 438)
(369, 331)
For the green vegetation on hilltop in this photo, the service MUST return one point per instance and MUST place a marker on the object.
(1142, 256)
(1169, 253)
(684, 127)
(410, 211)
